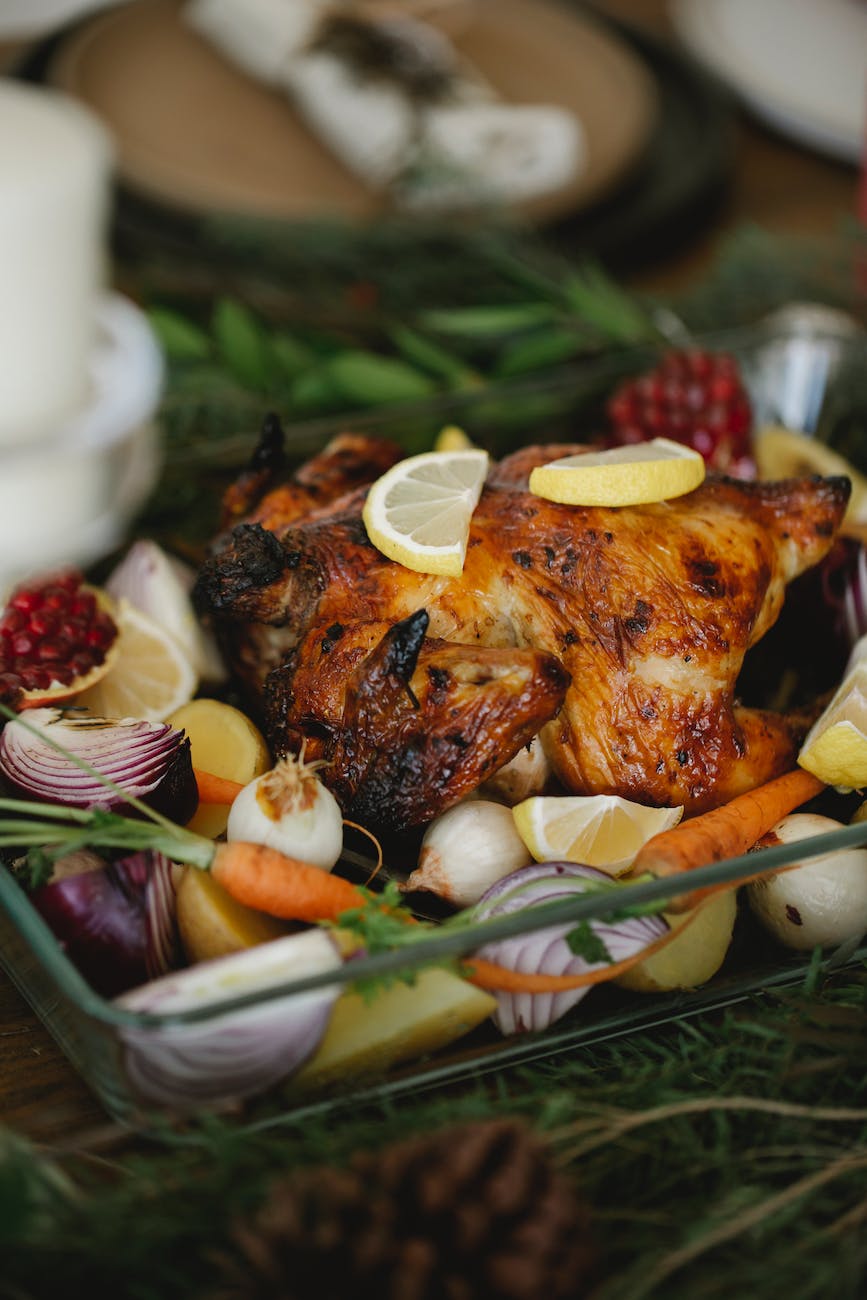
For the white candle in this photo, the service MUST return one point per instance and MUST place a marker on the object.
(55, 166)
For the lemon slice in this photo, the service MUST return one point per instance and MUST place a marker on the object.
(151, 676)
(601, 830)
(783, 453)
(623, 476)
(419, 512)
(835, 749)
(451, 438)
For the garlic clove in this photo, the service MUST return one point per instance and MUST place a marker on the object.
(465, 850)
(524, 776)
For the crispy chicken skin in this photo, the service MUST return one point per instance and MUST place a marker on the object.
(617, 634)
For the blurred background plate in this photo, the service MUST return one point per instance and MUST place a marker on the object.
(196, 134)
(800, 65)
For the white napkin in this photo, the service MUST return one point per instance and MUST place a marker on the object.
(468, 150)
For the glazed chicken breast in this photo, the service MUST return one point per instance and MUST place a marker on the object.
(615, 635)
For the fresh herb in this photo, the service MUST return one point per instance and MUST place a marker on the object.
(383, 923)
(585, 942)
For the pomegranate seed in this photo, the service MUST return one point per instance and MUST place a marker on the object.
(53, 649)
(35, 679)
(83, 605)
(9, 682)
(73, 630)
(12, 621)
(26, 600)
(62, 673)
(23, 645)
(699, 364)
(723, 388)
(98, 638)
(43, 623)
(69, 581)
(83, 661)
(56, 599)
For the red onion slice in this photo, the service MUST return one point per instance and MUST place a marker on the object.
(547, 951)
(230, 1054)
(148, 760)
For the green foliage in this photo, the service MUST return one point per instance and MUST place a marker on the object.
(723, 1156)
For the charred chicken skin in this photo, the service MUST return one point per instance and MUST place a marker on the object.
(617, 635)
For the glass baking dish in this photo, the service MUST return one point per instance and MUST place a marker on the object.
(112, 1046)
(799, 369)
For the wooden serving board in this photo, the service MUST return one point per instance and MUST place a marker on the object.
(195, 133)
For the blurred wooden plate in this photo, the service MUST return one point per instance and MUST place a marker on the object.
(195, 133)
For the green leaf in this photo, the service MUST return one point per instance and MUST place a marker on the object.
(367, 379)
(543, 348)
(586, 943)
(382, 923)
(180, 338)
(40, 868)
(292, 357)
(600, 302)
(314, 392)
(489, 322)
(243, 345)
(433, 358)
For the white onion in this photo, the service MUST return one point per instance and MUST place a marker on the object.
(466, 849)
(289, 809)
(159, 585)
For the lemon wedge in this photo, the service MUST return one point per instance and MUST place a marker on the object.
(151, 676)
(835, 749)
(419, 512)
(783, 453)
(636, 475)
(601, 830)
(452, 438)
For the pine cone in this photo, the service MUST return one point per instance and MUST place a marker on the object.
(475, 1212)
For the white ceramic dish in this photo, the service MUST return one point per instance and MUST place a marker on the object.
(69, 497)
(800, 65)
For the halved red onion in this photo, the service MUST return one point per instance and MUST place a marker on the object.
(547, 951)
(117, 923)
(149, 760)
(230, 1054)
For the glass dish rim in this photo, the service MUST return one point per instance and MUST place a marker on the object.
(584, 905)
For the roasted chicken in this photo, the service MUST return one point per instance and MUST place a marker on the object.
(617, 635)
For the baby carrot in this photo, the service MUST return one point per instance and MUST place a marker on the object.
(725, 832)
(294, 891)
(216, 789)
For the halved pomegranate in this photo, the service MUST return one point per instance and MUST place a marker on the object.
(57, 637)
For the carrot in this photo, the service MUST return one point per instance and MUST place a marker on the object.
(488, 975)
(294, 891)
(725, 832)
(216, 789)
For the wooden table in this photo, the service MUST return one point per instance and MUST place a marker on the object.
(776, 184)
